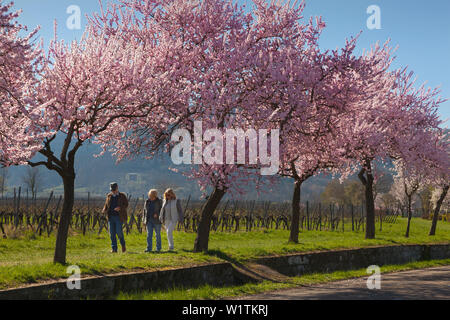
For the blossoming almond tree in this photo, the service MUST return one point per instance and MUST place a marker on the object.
(419, 147)
(441, 178)
(234, 62)
(309, 143)
(88, 86)
(441, 193)
(406, 185)
(209, 46)
(362, 127)
(394, 121)
(311, 140)
(278, 42)
(430, 167)
(20, 64)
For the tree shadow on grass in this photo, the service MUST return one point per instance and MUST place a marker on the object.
(169, 252)
(245, 269)
(133, 252)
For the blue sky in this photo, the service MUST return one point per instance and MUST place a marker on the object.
(421, 29)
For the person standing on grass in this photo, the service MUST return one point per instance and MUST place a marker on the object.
(152, 208)
(171, 214)
(115, 207)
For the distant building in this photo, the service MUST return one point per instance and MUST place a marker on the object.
(134, 177)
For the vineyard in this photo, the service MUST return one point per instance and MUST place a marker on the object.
(42, 215)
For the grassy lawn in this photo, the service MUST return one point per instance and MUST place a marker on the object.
(213, 293)
(28, 258)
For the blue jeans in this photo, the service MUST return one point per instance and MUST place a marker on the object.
(115, 229)
(150, 227)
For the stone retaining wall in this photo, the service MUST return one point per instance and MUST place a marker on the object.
(219, 274)
(329, 261)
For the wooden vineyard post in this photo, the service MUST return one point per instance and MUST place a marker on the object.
(381, 221)
(185, 211)
(129, 225)
(89, 208)
(14, 205)
(44, 214)
(17, 208)
(353, 218)
(320, 216)
(362, 216)
(55, 216)
(307, 215)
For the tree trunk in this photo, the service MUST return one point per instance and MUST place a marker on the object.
(201, 242)
(295, 212)
(409, 217)
(367, 180)
(64, 222)
(437, 210)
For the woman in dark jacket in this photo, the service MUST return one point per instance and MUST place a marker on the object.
(152, 208)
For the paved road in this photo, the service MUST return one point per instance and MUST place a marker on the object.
(433, 283)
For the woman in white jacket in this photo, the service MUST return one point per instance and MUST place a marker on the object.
(171, 214)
